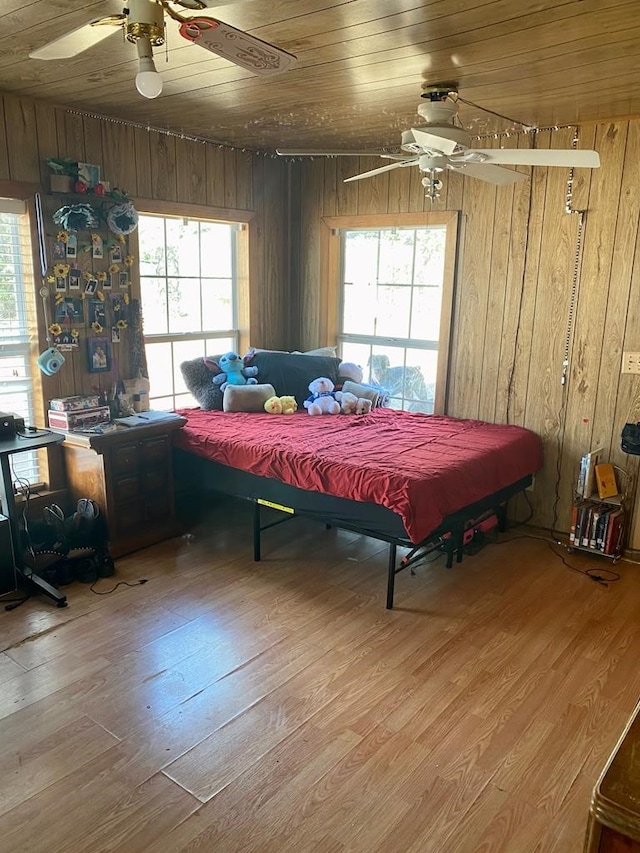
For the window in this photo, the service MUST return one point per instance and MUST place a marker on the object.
(394, 304)
(17, 330)
(188, 281)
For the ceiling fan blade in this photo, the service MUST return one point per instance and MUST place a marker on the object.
(288, 152)
(488, 172)
(78, 40)
(239, 47)
(412, 162)
(428, 139)
(199, 5)
(541, 157)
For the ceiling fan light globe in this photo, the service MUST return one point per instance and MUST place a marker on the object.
(149, 83)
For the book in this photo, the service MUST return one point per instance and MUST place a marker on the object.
(606, 480)
(588, 465)
(614, 532)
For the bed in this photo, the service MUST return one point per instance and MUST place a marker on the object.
(412, 480)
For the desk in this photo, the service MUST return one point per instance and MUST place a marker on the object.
(614, 817)
(8, 448)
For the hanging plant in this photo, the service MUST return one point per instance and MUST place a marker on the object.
(123, 218)
(76, 217)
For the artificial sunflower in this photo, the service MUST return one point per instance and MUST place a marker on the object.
(122, 324)
(75, 333)
(102, 276)
(88, 276)
(59, 298)
(95, 238)
(62, 236)
(51, 279)
(96, 326)
(61, 270)
(128, 261)
(121, 238)
(114, 268)
(55, 329)
(100, 295)
(126, 298)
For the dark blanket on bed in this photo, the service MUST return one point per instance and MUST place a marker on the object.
(423, 467)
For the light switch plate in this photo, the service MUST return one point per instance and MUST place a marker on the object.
(631, 362)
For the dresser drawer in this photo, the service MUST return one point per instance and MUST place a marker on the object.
(124, 458)
(154, 451)
(126, 488)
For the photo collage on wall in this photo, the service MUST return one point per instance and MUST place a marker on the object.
(89, 278)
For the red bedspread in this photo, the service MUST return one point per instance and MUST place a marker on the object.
(423, 467)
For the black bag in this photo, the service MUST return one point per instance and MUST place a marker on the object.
(630, 440)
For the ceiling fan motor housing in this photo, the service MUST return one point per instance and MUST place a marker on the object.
(145, 19)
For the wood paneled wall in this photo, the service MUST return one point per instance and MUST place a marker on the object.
(153, 165)
(515, 272)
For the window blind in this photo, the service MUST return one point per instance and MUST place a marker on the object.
(16, 327)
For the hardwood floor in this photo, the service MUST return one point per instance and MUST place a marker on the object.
(230, 706)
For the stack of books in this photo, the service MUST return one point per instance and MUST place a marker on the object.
(597, 526)
(77, 413)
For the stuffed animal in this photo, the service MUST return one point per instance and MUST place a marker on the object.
(363, 406)
(281, 405)
(348, 402)
(233, 371)
(349, 370)
(322, 400)
(289, 405)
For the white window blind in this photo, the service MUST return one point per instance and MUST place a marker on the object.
(16, 327)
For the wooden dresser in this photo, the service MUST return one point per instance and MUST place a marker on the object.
(129, 474)
(614, 816)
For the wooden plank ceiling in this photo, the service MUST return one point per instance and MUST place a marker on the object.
(360, 70)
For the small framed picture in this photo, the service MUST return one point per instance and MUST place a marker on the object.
(89, 173)
(124, 279)
(99, 356)
(61, 284)
(116, 254)
(97, 247)
(97, 312)
(72, 246)
(91, 286)
(59, 252)
(115, 335)
(75, 277)
(69, 310)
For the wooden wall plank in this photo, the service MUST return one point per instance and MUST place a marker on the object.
(118, 157)
(244, 179)
(5, 172)
(142, 156)
(230, 171)
(311, 299)
(214, 158)
(191, 172)
(399, 190)
(47, 139)
(22, 139)
(162, 150)
(373, 193)
(346, 194)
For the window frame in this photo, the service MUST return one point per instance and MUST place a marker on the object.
(332, 260)
(244, 261)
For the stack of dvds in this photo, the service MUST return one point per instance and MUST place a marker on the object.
(77, 413)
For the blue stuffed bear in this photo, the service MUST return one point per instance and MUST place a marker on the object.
(234, 372)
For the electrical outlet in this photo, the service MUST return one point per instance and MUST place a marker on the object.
(631, 362)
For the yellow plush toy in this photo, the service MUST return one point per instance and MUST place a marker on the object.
(281, 405)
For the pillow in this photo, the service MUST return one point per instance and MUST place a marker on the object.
(291, 373)
(246, 398)
(330, 351)
(198, 379)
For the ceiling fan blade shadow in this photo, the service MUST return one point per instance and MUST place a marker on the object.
(567, 157)
(77, 41)
(238, 47)
(487, 172)
(430, 140)
(412, 162)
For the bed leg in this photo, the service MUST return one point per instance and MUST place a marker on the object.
(256, 531)
(391, 575)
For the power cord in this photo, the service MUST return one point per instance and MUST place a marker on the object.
(113, 589)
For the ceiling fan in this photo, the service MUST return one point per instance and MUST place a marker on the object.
(143, 23)
(443, 143)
